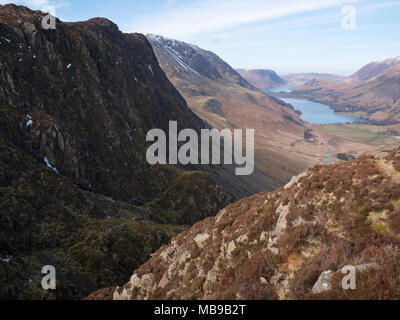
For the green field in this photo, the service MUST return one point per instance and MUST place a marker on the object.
(363, 133)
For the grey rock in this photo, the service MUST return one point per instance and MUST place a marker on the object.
(323, 283)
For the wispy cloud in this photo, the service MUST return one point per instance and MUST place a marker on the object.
(170, 3)
(198, 17)
(49, 6)
(382, 5)
(37, 3)
(34, 4)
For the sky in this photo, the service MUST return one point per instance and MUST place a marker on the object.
(335, 36)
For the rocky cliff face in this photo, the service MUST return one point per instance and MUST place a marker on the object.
(76, 190)
(91, 93)
(289, 244)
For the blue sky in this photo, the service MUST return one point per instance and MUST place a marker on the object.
(284, 35)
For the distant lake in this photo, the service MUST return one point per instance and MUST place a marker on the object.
(282, 89)
(318, 113)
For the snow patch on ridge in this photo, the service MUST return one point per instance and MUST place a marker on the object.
(163, 42)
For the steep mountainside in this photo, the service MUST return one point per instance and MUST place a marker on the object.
(262, 79)
(220, 96)
(289, 244)
(76, 190)
(372, 93)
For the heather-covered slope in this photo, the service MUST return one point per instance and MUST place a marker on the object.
(291, 243)
(76, 190)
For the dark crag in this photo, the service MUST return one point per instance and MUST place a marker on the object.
(83, 96)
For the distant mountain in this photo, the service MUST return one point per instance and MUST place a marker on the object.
(190, 59)
(372, 93)
(221, 97)
(262, 79)
(302, 78)
(375, 69)
(266, 79)
(289, 244)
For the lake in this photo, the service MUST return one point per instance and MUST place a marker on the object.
(319, 113)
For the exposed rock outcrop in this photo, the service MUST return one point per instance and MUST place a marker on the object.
(324, 282)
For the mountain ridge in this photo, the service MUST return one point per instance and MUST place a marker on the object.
(375, 69)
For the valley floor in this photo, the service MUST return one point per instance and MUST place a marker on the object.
(349, 138)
